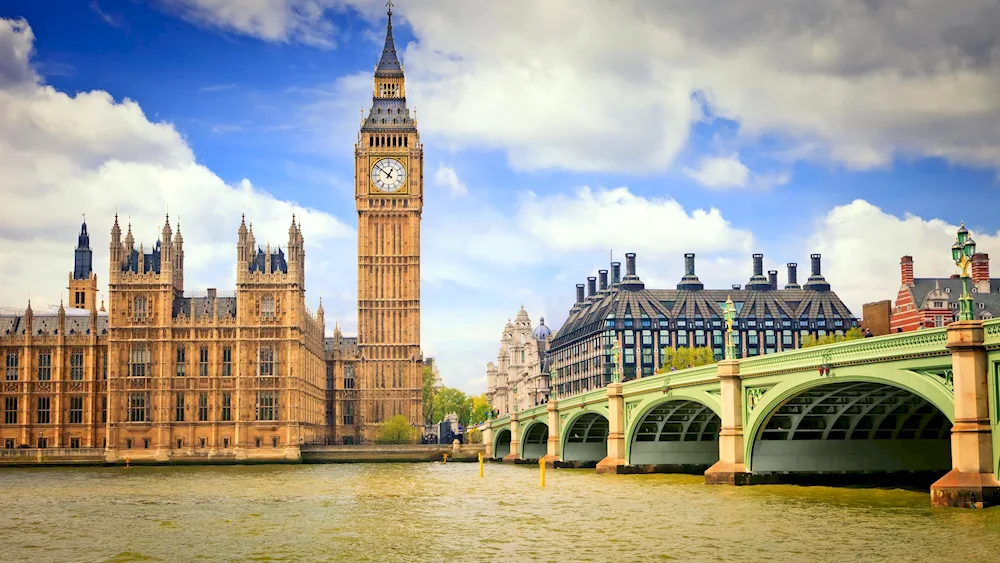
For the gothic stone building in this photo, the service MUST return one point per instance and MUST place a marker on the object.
(644, 322)
(520, 378)
(168, 374)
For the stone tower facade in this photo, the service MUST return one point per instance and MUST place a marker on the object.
(389, 195)
(83, 280)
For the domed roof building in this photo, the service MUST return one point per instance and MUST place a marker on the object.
(519, 379)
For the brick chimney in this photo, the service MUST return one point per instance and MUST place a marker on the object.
(981, 272)
(906, 270)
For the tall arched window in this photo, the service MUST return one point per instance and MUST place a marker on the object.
(267, 307)
(140, 309)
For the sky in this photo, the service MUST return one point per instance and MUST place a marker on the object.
(556, 135)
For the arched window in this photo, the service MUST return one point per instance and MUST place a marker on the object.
(405, 141)
(267, 307)
(140, 310)
(371, 141)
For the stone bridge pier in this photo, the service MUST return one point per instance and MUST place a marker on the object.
(971, 481)
(731, 467)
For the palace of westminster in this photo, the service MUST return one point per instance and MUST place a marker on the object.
(167, 373)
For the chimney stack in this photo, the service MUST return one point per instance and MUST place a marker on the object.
(689, 264)
(591, 286)
(816, 281)
(814, 259)
(603, 277)
(616, 272)
(630, 264)
(906, 270)
(758, 282)
(793, 276)
(579, 293)
(758, 264)
(772, 278)
(981, 272)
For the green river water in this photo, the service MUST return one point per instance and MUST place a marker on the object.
(445, 512)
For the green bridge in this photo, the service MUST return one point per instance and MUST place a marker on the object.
(924, 402)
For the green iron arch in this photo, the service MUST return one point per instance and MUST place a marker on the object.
(643, 408)
(898, 404)
(534, 440)
(501, 444)
(584, 436)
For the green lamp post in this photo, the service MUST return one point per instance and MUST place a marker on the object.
(554, 388)
(729, 313)
(961, 253)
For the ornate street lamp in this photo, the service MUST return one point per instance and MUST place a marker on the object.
(729, 313)
(554, 389)
(615, 354)
(961, 253)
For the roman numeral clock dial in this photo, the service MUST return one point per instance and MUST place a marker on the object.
(388, 175)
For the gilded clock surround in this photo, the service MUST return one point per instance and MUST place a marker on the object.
(373, 189)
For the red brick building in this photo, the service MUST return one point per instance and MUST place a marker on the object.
(932, 302)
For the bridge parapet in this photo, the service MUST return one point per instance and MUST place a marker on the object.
(866, 350)
(991, 334)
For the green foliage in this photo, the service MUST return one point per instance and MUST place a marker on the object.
(397, 430)
(428, 396)
(480, 409)
(475, 436)
(810, 340)
(447, 401)
(685, 357)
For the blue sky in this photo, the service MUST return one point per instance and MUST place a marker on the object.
(588, 127)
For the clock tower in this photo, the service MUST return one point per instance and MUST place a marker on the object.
(389, 192)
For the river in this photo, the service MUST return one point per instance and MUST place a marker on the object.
(445, 512)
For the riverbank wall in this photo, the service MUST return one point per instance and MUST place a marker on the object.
(375, 453)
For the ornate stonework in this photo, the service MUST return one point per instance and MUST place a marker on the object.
(520, 378)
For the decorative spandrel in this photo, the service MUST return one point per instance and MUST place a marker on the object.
(944, 376)
(629, 407)
(754, 395)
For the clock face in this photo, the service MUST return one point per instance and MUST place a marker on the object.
(388, 175)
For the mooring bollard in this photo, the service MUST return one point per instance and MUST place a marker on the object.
(541, 465)
(480, 465)
(445, 458)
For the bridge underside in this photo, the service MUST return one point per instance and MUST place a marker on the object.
(853, 432)
(502, 448)
(586, 441)
(535, 442)
(676, 437)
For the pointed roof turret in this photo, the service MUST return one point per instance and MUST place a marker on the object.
(389, 63)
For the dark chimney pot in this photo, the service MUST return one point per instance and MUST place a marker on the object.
(616, 272)
(603, 278)
(793, 276)
(591, 286)
(758, 264)
(814, 258)
(772, 277)
(630, 264)
(211, 293)
(579, 293)
(689, 264)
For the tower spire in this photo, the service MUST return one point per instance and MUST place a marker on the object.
(389, 63)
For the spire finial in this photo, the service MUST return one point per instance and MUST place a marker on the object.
(389, 11)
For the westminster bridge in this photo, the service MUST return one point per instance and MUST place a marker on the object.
(926, 401)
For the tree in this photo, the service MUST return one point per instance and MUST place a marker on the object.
(475, 436)
(810, 340)
(480, 409)
(686, 357)
(447, 401)
(428, 396)
(396, 430)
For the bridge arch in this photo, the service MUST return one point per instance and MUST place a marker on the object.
(501, 445)
(898, 421)
(585, 437)
(534, 440)
(678, 432)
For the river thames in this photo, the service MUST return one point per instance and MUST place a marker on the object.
(445, 512)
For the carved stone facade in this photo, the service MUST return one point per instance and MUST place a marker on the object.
(520, 378)
(167, 374)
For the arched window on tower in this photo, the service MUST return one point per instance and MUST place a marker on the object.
(267, 307)
(140, 310)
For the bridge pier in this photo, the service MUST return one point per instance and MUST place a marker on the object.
(616, 431)
(731, 468)
(552, 446)
(488, 439)
(971, 483)
(515, 440)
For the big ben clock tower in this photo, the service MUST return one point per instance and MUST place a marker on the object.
(389, 191)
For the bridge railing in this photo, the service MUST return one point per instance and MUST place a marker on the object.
(992, 330)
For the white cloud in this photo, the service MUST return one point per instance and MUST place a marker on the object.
(861, 247)
(63, 156)
(720, 172)
(446, 177)
(593, 85)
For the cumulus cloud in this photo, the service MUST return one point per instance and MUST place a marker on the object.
(592, 85)
(446, 177)
(64, 156)
(862, 245)
(720, 172)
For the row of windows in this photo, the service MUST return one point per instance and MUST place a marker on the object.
(715, 322)
(140, 308)
(44, 367)
(43, 410)
(265, 407)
